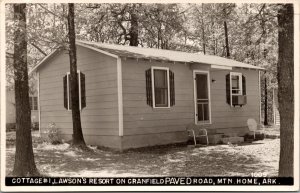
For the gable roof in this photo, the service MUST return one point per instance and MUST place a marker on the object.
(166, 55)
(157, 54)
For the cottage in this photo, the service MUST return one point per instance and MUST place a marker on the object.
(135, 97)
(10, 97)
(11, 109)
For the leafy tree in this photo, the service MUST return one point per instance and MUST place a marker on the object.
(24, 159)
(286, 88)
(127, 14)
(161, 26)
(78, 139)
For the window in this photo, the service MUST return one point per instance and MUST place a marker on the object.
(236, 83)
(160, 90)
(33, 103)
(236, 89)
(161, 87)
(81, 89)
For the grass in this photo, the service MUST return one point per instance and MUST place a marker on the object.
(170, 160)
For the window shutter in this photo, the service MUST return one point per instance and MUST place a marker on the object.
(172, 88)
(148, 87)
(70, 95)
(228, 88)
(65, 92)
(82, 86)
(244, 84)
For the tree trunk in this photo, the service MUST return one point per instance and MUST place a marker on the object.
(134, 28)
(203, 30)
(24, 159)
(266, 103)
(226, 40)
(78, 139)
(158, 37)
(285, 77)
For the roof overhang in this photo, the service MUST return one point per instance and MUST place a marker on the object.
(103, 51)
(48, 57)
(221, 67)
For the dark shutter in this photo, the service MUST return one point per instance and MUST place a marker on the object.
(244, 84)
(172, 88)
(148, 87)
(65, 92)
(228, 88)
(70, 95)
(82, 86)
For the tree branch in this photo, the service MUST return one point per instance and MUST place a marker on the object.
(38, 48)
(62, 17)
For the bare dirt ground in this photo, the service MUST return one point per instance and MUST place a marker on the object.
(172, 160)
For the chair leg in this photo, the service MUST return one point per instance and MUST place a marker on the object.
(194, 138)
(207, 140)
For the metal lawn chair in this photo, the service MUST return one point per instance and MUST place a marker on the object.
(195, 132)
(252, 125)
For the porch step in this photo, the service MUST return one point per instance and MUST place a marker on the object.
(215, 139)
(227, 140)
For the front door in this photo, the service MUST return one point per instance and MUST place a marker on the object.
(202, 97)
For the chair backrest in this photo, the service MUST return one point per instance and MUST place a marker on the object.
(198, 130)
(191, 126)
(252, 125)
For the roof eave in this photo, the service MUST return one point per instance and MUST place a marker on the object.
(44, 60)
(59, 49)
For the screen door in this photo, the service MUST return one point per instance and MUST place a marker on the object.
(202, 98)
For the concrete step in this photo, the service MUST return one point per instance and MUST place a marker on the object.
(232, 140)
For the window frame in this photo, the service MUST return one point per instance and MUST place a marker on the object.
(31, 98)
(79, 90)
(240, 75)
(153, 86)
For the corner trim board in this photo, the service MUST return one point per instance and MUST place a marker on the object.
(259, 93)
(39, 104)
(120, 96)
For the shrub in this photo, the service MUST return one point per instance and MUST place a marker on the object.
(52, 134)
(10, 126)
(35, 126)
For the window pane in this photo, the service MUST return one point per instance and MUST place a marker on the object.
(30, 103)
(202, 90)
(35, 106)
(203, 112)
(160, 78)
(161, 88)
(235, 91)
(235, 82)
(206, 112)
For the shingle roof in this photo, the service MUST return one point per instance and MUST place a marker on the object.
(166, 55)
(156, 54)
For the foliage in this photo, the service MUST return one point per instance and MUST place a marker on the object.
(52, 134)
(252, 28)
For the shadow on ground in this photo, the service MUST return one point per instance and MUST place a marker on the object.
(221, 160)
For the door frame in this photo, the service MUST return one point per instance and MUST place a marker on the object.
(195, 96)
